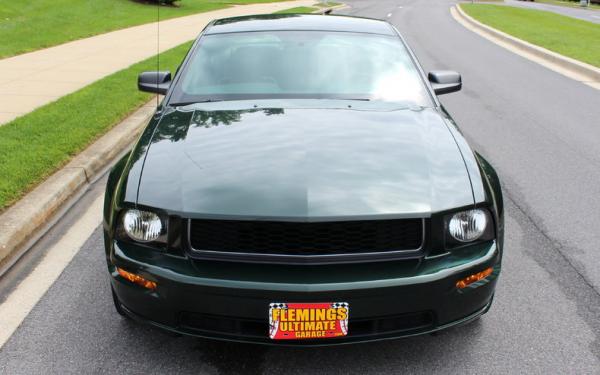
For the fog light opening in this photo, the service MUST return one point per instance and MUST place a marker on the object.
(136, 279)
(461, 284)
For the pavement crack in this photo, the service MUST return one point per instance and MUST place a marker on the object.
(555, 243)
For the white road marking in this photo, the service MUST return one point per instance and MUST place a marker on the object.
(389, 14)
(23, 299)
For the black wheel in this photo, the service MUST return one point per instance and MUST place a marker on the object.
(118, 306)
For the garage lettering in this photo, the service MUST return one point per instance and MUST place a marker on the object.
(309, 323)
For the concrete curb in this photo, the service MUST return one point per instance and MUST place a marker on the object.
(567, 66)
(23, 223)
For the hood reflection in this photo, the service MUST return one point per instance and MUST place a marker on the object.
(303, 163)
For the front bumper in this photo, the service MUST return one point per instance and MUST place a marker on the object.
(230, 301)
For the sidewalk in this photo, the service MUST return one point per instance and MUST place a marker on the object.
(585, 14)
(37, 78)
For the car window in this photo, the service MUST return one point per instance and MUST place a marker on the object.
(308, 64)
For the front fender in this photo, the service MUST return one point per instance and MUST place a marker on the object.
(111, 186)
(494, 191)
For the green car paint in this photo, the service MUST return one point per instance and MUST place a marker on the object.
(302, 160)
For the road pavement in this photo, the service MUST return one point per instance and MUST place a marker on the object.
(539, 129)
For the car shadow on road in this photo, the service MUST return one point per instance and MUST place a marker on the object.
(427, 353)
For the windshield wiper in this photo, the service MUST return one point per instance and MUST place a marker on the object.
(183, 104)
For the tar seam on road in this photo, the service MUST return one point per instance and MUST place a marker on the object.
(557, 245)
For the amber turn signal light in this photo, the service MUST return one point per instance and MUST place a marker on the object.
(461, 284)
(136, 279)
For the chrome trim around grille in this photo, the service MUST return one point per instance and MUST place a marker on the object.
(305, 259)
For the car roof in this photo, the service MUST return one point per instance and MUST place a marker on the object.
(300, 22)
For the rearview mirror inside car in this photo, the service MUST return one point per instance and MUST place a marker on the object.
(155, 82)
(445, 81)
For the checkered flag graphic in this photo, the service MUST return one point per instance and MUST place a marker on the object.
(337, 305)
(278, 306)
(343, 323)
(274, 325)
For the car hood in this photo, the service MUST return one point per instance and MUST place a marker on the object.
(303, 164)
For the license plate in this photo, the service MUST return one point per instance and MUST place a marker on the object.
(299, 321)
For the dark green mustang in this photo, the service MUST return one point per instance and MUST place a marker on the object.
(300, 184)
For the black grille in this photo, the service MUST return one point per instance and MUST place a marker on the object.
(306, 239)
(258, 329)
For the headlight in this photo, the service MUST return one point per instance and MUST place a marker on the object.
(467, 226)
(142, 226)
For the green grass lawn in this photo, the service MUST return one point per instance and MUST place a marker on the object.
(28, 25)
(297, 10)
(34, 146)
(565, 35)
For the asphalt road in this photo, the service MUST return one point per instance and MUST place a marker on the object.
(541, 131)
(586, 14)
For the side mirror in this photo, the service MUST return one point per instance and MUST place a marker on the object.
(155, 82)
(445, 81)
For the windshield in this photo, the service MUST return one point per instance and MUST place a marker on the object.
(307, 64)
